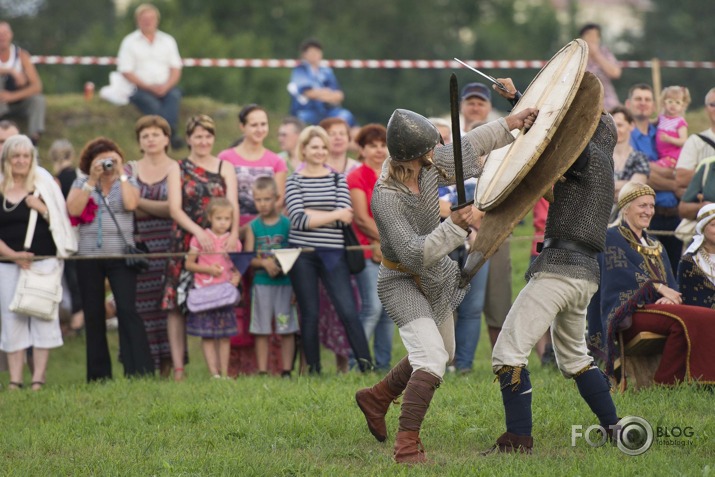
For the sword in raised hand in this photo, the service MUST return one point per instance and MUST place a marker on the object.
(457, 145)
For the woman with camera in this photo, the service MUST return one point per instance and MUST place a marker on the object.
(102, 204)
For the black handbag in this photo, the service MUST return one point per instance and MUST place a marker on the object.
(354, 258)
(140, 264)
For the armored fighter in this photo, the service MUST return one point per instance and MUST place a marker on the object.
(418, 284)
(560, 284)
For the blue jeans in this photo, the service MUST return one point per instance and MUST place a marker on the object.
(166, 107)
(310, 116)
(469, 320)
(373, 316)
(304, 277)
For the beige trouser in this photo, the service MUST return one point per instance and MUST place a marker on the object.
(547, 300)
(429, 347)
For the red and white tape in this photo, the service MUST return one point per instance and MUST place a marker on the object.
(357, 64)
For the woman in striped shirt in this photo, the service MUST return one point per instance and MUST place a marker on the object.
(318, 203)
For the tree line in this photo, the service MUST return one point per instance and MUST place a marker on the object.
(375, 29)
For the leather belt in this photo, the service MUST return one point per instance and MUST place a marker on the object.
(572, 245)
(387, 263)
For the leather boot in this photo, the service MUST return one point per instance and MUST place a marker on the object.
(409, 448)
(375, 401)
(509, 443)
(418, 395)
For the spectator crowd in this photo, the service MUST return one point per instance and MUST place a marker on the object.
(258, 269)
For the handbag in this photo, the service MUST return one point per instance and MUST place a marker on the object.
(211, 297)
(39, 288)
(354, 258)
(685, 231)
(140, 264)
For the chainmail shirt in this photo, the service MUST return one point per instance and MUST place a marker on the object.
(580, 211)
(411, 233)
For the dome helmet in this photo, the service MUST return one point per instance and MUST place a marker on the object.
(410, 135)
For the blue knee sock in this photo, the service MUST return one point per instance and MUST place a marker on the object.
(596, 391)
(516, 396)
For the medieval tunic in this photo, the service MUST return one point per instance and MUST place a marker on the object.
(412, 235)
(695, 285)
(626, 303)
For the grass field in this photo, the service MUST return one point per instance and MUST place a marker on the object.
(311, 426)
(308, 426)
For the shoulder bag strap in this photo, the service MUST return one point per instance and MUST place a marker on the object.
(710, 142)
(111, 214)
(31, 224)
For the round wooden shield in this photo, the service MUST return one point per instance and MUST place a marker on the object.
(552, 91)
(564, 148)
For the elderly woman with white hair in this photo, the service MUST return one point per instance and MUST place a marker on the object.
(696, 271)
(26, 187)
(638, 293)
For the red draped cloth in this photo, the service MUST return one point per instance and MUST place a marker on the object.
(689, 351)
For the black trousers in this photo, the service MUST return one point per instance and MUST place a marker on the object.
(70, 275)
(133, 344)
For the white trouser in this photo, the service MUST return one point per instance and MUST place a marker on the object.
(547, 300)
(21, 331)
(429, 347)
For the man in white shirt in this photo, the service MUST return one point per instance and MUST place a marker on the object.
(696, 148)
(149, 59)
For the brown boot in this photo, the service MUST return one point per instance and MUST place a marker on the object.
(512, 443)
(418, 395)
(409, 448)
(375, 401)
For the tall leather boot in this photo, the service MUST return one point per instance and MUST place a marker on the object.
(418, 395)
(375, 401)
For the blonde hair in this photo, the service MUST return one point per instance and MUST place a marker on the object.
(61, 150)
(144, 7)
(11, 146)
(681, 92)
(398, 172)
(218, 203)
(305, 137)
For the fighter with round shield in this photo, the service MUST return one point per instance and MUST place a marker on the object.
(560, 284)
(418, 283)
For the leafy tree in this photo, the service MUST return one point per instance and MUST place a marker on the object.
(679, 30)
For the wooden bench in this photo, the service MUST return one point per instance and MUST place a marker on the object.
(642, 356)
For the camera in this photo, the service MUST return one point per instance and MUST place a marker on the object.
(107, 164)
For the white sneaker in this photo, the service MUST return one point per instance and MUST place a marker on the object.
(112, 323)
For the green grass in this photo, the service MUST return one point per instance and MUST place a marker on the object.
(307, 426)
(311, 426)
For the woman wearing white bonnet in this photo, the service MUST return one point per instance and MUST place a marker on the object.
(696, 271)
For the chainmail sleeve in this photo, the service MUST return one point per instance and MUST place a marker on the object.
(475, 144)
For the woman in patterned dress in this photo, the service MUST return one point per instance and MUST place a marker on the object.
(153, 227)
(192, 182)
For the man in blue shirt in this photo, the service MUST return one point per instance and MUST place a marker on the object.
(314, 89)
(641, 104)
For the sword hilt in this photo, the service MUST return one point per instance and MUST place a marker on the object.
(461, 206)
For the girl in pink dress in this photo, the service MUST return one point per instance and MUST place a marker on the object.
(215, 326)
(672, 127)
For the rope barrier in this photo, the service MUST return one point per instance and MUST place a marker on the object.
(157, 255)
(358, 64)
